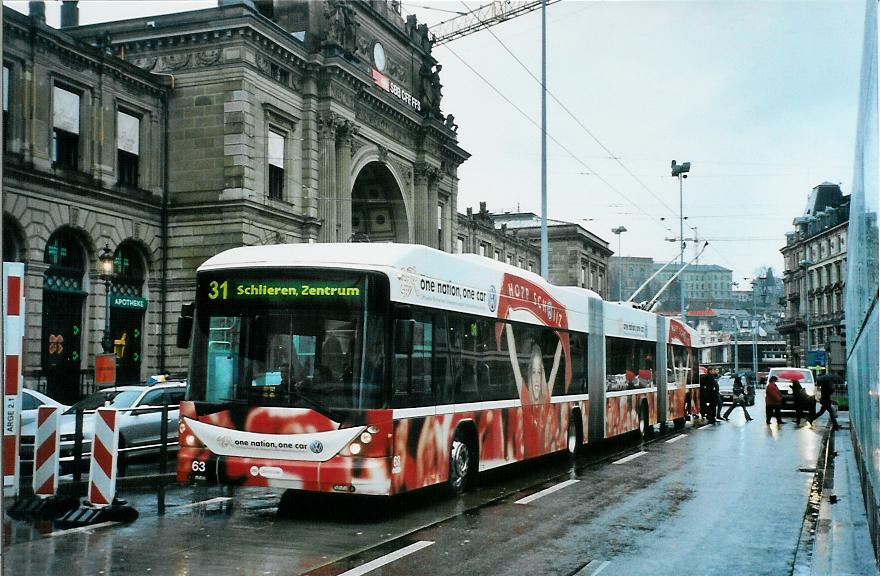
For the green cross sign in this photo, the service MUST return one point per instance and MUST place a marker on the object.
(75, 355)
(76, 330)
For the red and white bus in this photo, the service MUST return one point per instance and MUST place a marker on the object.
(384, 368)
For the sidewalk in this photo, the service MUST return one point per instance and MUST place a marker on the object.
(842, 546)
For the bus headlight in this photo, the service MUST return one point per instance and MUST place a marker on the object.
(354, 448)
(366, 437)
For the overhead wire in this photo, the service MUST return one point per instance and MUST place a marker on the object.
(581, 124)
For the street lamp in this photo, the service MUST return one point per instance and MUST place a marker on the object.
(805, 264)
(619, 231)
(680, 171)
(105, 271)
(755, 325)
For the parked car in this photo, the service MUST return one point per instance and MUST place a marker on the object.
(31, 400)
(785, 376)
(725, 387)
(138, 424)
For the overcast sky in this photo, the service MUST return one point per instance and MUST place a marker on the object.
(760, 97)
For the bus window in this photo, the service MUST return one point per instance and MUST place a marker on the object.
(412, 374)
(467, 390)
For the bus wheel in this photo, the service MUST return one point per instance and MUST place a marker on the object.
(574, 439)
(460, 461)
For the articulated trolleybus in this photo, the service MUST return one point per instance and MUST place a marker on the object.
(384, 368)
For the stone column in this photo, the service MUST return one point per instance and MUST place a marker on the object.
(421, 206)
(433, 201)
(344, 133)
(327, 177)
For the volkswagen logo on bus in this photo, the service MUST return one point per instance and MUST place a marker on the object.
(493, 298)
(316, 446)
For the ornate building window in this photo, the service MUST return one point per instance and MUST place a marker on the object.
(6, 75)
(276, 149)
(65, 128)
(128, 141)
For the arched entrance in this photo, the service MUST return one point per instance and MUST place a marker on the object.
(127, 310)
(63, 298)
(378, 213)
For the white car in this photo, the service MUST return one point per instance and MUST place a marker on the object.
(784, 378)
(140, 421)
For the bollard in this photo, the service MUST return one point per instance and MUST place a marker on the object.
(78, 446)
(101, 505)
(102, 470)
(46, 447)
(45, 503)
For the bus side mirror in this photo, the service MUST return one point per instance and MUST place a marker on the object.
(403, 336)
(185, 325)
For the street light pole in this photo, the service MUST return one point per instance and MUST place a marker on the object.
(105, 268)
(619, 231)
(681, 170)
(735, 342)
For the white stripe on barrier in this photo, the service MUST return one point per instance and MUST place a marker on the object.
(102, 472)
(46, 449)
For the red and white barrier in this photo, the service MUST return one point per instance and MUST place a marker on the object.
(46, 448)
(102, 472)
(13, 334)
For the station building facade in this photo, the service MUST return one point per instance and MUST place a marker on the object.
(168, 139)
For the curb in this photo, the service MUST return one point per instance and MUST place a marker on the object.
(823, 479)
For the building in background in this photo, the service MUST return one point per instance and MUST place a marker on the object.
(706, 285)
(862, 319)
(477, 234)
(577, 256)
(815, 255)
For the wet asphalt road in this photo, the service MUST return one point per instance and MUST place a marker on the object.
(724, 499)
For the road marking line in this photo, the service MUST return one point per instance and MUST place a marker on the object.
(82, 528)
(593, 568)
(216, 500)
(630, 457)
(387, 559)
(543, 493)
(676, 439)
(704, 426)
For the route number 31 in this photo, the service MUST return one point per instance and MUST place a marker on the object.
(218, 290)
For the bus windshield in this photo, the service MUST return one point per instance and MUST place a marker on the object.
(304, 340)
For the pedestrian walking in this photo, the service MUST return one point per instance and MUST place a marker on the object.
(739, 399)
(804, 404)
(708, 384)
(773, 401)
(719, 404)
(826, 388)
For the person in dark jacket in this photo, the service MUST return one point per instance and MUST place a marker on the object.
(708, 384)
(739, 399)
(826, 388)
(773, 401)
(804, 404)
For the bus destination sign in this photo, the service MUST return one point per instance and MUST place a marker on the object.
(280, 290)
